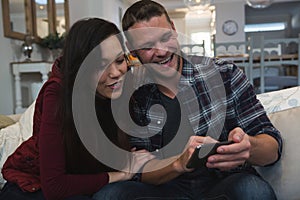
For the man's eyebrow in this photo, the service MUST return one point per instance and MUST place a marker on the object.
(146, 44)
(149, 43)
(168, 33)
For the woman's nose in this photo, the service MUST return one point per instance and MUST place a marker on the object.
(116, 71)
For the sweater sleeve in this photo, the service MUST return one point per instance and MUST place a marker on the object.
(55, 183)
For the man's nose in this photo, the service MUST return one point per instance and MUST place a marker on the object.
(160, 48)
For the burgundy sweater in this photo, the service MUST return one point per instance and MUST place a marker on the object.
(39, 162)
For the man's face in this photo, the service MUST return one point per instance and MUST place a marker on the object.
(155, 42)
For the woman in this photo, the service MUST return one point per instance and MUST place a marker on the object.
(54, 163)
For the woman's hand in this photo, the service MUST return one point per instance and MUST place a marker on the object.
(135, 163)
(194, 141)
(138, 160)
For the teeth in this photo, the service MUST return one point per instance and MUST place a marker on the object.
(114, 84)
(165, 61)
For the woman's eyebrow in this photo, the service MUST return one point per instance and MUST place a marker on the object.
(105, 60)
(121, 53)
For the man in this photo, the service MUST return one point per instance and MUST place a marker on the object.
(220, 92)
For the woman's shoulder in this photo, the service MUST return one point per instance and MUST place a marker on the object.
(49, 93)
(50, 87)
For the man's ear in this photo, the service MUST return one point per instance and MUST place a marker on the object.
(173, 26)
(174, 29)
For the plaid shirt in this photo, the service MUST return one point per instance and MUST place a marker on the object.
(216, 96)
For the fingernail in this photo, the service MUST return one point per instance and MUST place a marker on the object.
(238, 137)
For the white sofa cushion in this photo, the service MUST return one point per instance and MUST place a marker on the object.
(12, 136)
(284, 176)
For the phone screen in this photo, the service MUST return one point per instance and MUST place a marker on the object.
(202, 152)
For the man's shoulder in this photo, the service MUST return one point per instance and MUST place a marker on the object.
(202, 62)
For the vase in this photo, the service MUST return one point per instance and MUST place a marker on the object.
(27, 47)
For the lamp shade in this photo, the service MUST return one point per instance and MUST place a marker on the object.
(259, 3)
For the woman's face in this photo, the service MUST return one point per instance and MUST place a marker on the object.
(113, 68)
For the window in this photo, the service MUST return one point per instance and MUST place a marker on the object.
(198, 39)
(265, 27)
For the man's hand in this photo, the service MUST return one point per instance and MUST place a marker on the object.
(234, 155)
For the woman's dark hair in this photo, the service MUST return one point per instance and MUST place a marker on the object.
(81, 39)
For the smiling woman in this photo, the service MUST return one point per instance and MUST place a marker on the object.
(59, 165)
(113, 67)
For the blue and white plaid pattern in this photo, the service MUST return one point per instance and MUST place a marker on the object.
(241, 105)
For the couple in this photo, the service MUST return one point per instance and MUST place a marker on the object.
(197, 93)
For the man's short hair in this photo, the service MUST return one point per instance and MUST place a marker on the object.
(142, 10)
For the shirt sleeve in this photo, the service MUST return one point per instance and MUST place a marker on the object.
(55, 182)
(249, 112)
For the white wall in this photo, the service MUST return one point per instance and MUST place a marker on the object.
(180, 25)
(6, 55)
(96, 8)
(230, 11)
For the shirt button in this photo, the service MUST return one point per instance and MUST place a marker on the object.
(156, 150)
(158, 122)
(33, 189)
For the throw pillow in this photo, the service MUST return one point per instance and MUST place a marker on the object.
(5, 121)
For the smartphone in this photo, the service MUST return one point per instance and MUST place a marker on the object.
(202, 152)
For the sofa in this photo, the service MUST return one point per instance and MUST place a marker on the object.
(282, 106)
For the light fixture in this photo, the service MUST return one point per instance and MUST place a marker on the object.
(44, 2)
(277, 26)
(197, 4)
(259, 3)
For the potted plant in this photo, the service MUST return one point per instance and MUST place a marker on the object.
(54, 42)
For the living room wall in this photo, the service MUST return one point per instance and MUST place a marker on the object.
(6, 89)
